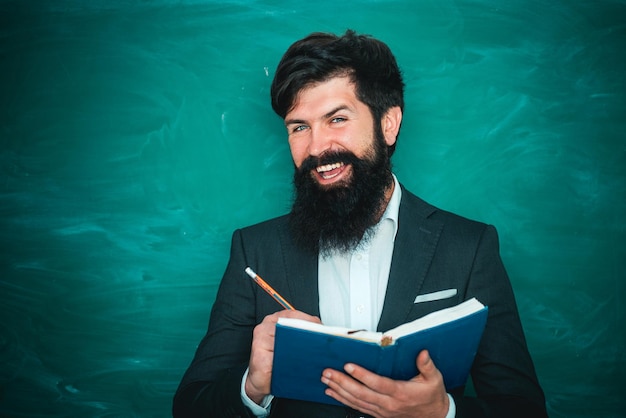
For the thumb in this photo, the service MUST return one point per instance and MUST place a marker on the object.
(426, 366)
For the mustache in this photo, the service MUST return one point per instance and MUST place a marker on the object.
(311, 162)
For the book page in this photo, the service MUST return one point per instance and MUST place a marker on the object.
(327, 329)
(428, 321)
(436, 318)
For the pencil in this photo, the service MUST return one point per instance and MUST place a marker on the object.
(270, 291)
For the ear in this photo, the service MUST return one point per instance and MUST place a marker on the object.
(390, 124)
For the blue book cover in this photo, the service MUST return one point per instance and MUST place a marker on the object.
(303, 350)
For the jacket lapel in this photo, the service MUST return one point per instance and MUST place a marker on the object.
(413, 252)
(301, 272)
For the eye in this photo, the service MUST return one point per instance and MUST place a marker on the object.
(338, 119)
(299, 128)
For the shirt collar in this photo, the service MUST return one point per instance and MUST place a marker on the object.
(393, 207)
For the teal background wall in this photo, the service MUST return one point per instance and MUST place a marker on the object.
(135, 136)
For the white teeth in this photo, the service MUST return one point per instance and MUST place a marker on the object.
(324, 170)
(328, 167)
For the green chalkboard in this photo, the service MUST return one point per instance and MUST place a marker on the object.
(135, 136)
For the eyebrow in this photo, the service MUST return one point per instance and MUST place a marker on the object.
(325, 116)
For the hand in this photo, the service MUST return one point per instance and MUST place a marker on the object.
(423, 396)
(257, 384)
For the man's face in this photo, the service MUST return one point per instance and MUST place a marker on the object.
(327, 118)
(343, 174)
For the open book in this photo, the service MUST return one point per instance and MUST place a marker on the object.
(302, 350)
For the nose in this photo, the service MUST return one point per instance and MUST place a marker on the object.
(320, 141)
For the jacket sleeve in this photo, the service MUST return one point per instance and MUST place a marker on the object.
(211, 384)
(503, 373)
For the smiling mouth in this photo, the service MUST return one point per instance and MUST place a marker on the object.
(329, 171)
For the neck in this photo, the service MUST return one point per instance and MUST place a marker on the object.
(387, 198)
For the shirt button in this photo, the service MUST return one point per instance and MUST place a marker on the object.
(360, 308)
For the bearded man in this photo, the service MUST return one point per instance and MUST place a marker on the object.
(357, 250)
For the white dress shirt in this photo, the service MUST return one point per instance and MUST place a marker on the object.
(352, 286)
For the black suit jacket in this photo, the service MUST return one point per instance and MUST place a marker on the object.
(434, 250)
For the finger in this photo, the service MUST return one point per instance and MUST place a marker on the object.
(264, 333)
(375, 382)
(295, 314)
(426, 366)
(347, 390)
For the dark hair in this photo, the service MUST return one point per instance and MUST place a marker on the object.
(321, 56)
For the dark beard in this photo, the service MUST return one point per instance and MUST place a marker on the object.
(337, 218)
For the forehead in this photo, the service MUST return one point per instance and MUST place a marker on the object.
(323, 96)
